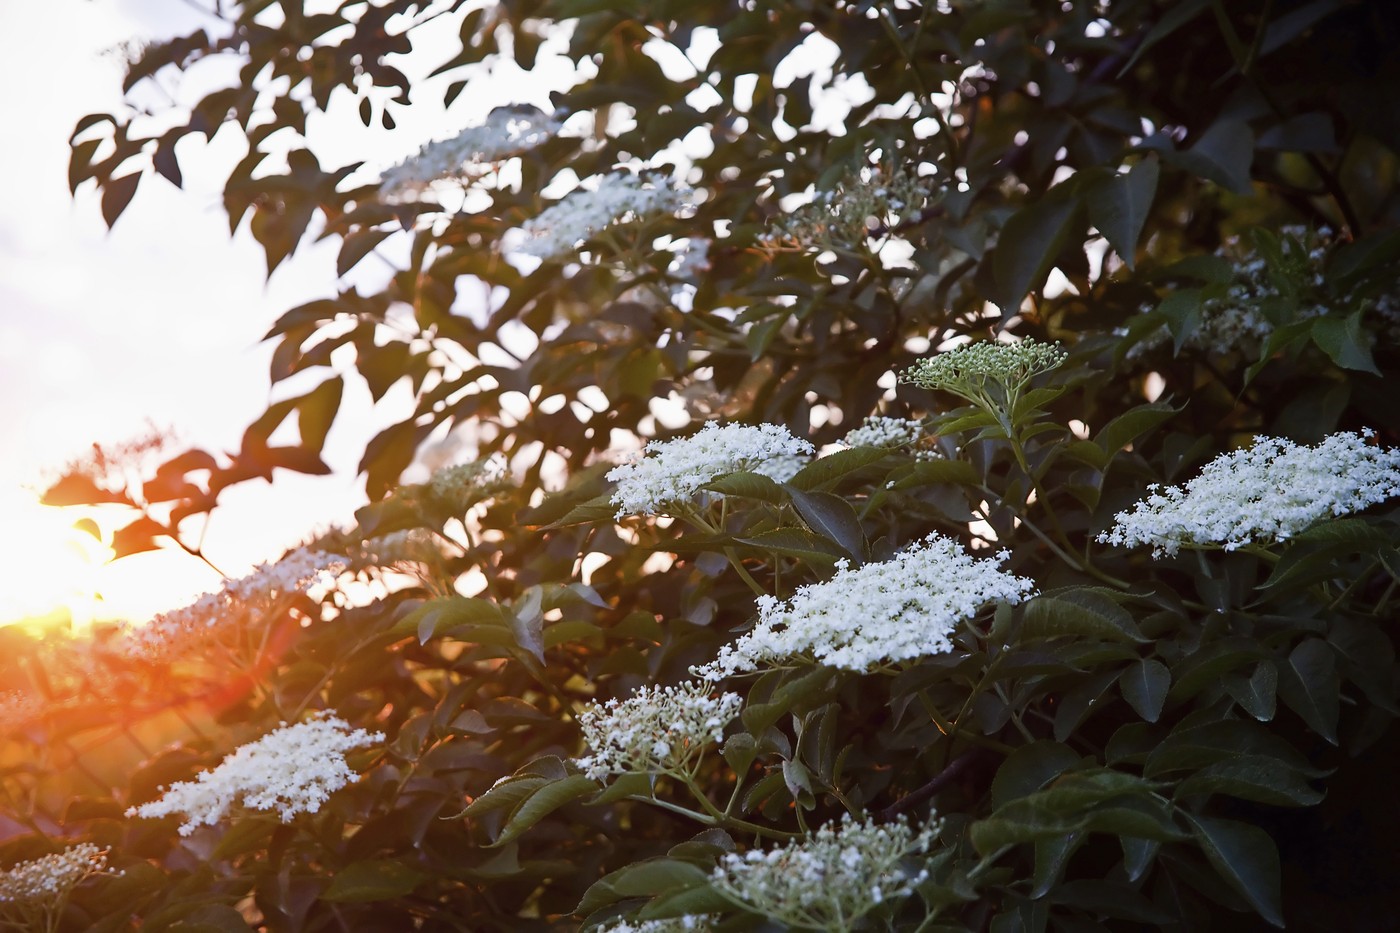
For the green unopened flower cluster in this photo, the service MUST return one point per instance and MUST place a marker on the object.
(452, 490)
(33, 894)
(830, 879)
(970, 371)
(841, 217)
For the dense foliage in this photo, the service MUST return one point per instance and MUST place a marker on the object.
(919, 678)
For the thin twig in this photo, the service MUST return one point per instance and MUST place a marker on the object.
(941, 780)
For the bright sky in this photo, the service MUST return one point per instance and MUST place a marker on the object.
(158, 321)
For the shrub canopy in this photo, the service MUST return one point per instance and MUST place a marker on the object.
(933, 677)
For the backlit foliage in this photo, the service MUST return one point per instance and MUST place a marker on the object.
(801, 216)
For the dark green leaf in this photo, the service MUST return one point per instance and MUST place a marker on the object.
(1052, 855)
(1223, 155)
(1258, 693)
(1076, 705)
(1029, 768)
(1138, 855)
(1345, 341)
(1132, 424)
(1027, 248)
(373, 880)
(1175, 17)
(826, 471)
(1247, 858)
(1082, 613)
(1189, 748)
(1365, 255)
(798, 543)
(833, 518)
(1308, 684)
(748, 486)
(244, 836)
(937, 472)
(1252, 777)
(1144, 685)
(440, 615)
(1119, 206)
(544, 801)
(1306, 132)
(658, 876)
(505, 795)
(694, 900)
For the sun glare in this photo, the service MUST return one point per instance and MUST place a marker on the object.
(48, 563)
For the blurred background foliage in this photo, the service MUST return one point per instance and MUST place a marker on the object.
(1196, 199)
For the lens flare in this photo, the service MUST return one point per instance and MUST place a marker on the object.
(49, 562)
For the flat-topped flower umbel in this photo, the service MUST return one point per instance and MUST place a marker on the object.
(988, 373)
(881, 613)
(290, 770)
(215, 614)
(656, 730)
(673, 471)
(508, 131)
(621, 196)
(1262, 495)
(830, 879)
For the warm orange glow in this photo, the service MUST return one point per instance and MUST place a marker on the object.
(49, 565)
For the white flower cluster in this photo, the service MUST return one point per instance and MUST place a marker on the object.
(655, 730)
(830, 879)
(411, 546)
(460, 487)
(690, 923)
(1261, 495)
(881, 613)
(49, 878)
(863, 203)
(508, 131)
(212, 614)
(691, 259)
(1237, 321)
(880, 431)
(619, 196)
(674, 471)
(969, 370)
(291, 770)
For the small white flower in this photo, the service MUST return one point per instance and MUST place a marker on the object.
(881, 613)
(290, 770)
(656, 730)
(673, 471)
(1267, 493)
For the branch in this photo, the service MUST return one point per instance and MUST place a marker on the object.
(940, 780)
